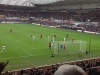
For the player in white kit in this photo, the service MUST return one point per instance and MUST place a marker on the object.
(33, 37)
(64, 40)
(48, 38)
(3, 48)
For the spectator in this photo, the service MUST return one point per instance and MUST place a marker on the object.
(2, 66)
(69, 70)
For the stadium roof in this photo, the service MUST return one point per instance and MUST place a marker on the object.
(74, 2)
(34, 4)
(30, 3)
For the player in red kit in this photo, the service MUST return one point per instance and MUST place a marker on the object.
(41, 36)
(49, 45)
(64, 46)
(55, 37)
(66, 35)
(10, 30)
(31, 35)
(72, 40)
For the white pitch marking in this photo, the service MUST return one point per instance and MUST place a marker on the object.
(25, 56)
(27, 52)
(14, 57)
(94, 48)
(36, 48)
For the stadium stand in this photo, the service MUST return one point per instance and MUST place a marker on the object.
(90, 66)
(2, 66)
(56, 18)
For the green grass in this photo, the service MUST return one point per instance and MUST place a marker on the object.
(23, 52)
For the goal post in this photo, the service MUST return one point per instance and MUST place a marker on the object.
(69, 47)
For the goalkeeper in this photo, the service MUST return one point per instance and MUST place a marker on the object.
(61, 46)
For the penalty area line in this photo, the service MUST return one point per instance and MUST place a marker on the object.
(25, 56)
(27, 52)
(14, 57)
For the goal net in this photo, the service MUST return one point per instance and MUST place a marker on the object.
(69, 47)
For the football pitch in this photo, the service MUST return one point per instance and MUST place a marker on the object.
(24, 52)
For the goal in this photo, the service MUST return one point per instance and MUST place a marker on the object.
(69, 47)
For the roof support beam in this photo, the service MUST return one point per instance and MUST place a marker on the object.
(0, 1)
(25, 5)
(7, 4)
(32, 3)
(15, 4)
(22, 5)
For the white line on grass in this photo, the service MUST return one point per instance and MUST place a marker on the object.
(33, 55)
(25, 56)
(14, 57)
(94, 48)
(27, 52)
(37, 48)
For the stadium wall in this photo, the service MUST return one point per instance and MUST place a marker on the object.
(88, 32)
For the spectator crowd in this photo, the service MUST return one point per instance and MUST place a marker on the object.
(55, 18)
(90, 66)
